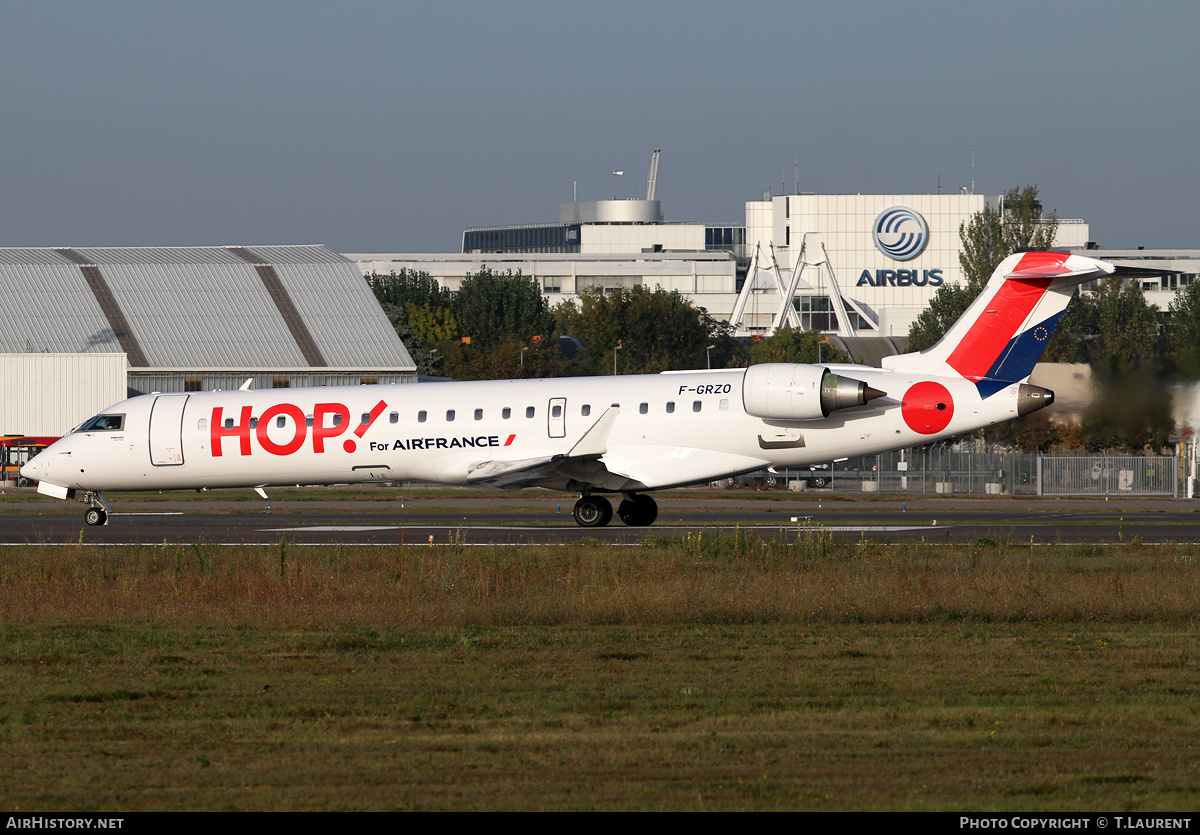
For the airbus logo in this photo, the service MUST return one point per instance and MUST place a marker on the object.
(900, 233)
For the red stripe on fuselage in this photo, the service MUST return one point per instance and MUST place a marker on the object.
(1005, 314)
(375, 413)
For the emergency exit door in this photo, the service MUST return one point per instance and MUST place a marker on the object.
(166, 430)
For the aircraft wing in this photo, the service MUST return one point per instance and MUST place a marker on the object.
(580, 464)
(526, 472)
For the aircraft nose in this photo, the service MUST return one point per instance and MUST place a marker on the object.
(33, 469)
(42, 467)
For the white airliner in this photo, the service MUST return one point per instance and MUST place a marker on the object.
(625, 435)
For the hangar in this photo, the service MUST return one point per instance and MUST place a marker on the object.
(184, 319)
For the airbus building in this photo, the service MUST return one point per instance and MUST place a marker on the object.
(851, 265)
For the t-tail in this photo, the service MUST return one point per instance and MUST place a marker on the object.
(1002, 335)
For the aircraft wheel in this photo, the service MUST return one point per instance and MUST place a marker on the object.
(638, 512)
(95, 516)
(592, 512)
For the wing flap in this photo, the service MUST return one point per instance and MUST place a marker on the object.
(532, 472)
(513, 474)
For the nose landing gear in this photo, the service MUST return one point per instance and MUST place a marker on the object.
(97, 514)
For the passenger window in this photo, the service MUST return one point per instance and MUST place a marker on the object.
(228, 423)
(281, 421)
(308, 420)
(529, 411)
(585, 411)
(365, 419)
(724, 405)
(479, 414)
(253, 423)
(556, 411)
(670, 407)
(695, 405)
(506, 413)
(449, 415)
(337, 419)
(421, 416)
(203, 424)
(394, 417)
(643, 408)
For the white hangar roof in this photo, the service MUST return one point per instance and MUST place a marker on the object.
(189, 307)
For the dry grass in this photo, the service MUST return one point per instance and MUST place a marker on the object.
(701, 673)
(706, 579)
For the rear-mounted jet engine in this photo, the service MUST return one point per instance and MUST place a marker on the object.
(783, 391)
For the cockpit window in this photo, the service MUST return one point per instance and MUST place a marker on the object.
(102, 423)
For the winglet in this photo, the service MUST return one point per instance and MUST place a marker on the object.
(594, 442)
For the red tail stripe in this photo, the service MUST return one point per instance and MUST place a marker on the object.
(991, 332)
(1006, 312)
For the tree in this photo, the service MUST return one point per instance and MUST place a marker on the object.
(408, 287)
(492, 307)
(1034, 433)
(794, 345)
(419, 310)
(1127, 329)
(1132, 409)
(1074, 339)
(1183, 335)
(987, 238)
(511, 359)
(992, 235)
(945, 308)
(431, 324)
(657, 330)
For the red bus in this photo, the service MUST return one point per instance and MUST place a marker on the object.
(15, 450)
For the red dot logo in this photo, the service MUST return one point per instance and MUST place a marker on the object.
(348, 445)
(927, 408)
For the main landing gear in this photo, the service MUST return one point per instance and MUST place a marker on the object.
(637, 511)
(97, 514)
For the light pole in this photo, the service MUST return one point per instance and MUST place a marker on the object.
(615, 358)
(708, 351)
(615, 175)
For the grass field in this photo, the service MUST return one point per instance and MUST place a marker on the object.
(719, 672)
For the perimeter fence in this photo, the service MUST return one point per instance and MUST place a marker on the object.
(952, 469)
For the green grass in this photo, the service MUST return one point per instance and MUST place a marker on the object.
(712, 672)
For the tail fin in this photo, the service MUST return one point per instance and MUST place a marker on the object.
(1004, 331)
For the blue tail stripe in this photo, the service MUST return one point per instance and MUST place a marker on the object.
(987, 388)
(1018, 358)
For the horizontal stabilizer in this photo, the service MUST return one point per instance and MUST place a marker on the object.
(1048, 271)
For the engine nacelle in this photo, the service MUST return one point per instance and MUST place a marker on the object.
(786, 391)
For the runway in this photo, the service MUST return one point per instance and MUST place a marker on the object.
(542, 518)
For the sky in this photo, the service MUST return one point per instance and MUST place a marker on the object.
(392, 126)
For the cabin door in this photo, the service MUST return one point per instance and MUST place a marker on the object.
(166, 430)
(558, 417)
